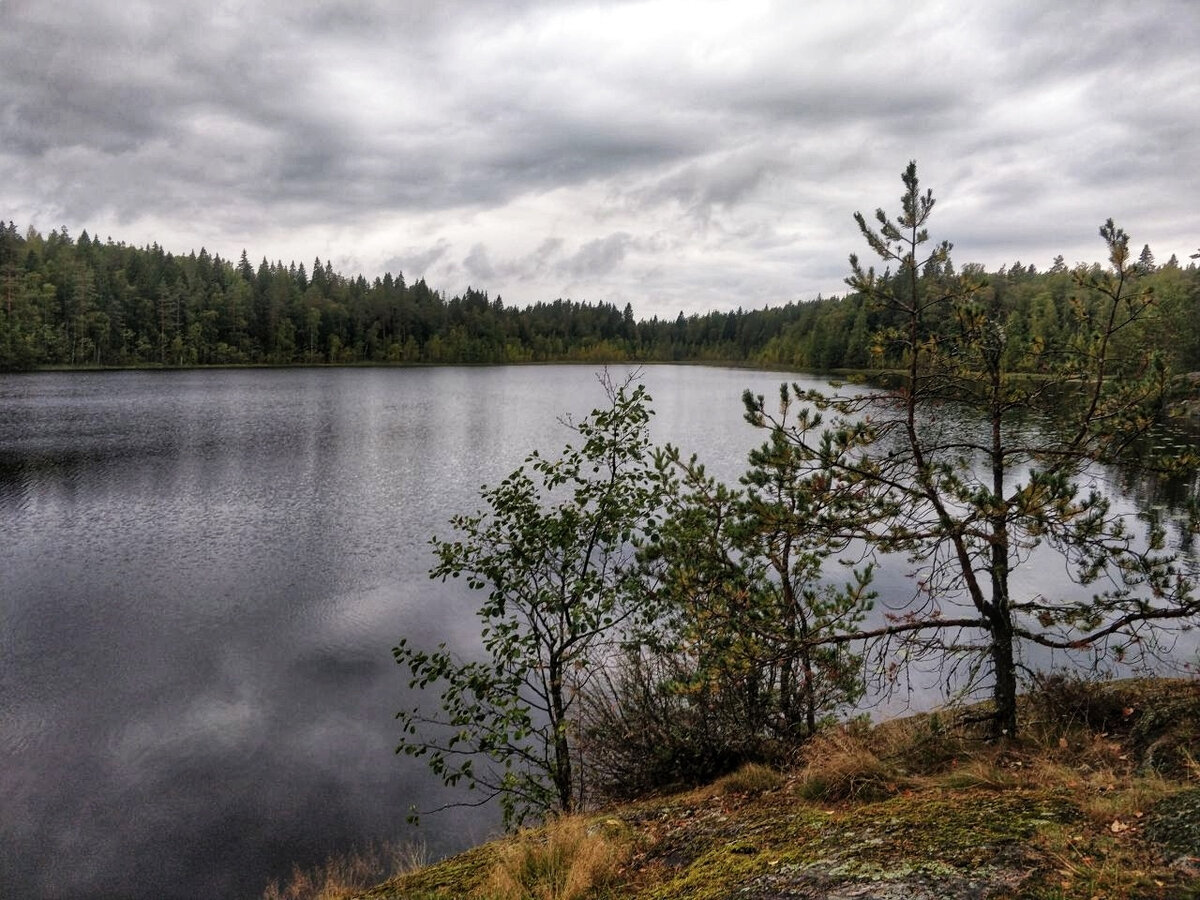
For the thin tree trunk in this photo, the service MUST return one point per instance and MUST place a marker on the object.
(1004, 669)
(562, 750)
(1003, 661)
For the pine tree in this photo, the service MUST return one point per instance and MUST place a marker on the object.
(944, 466)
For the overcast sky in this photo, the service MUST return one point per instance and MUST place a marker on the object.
(675, 154)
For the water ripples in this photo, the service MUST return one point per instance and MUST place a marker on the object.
(201, 578)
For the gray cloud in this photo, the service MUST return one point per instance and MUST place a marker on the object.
(599, 257)
(478, 266)
(535, 264)
(417, 261)
(697, 156)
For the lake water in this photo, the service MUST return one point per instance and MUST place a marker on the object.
(202, 575)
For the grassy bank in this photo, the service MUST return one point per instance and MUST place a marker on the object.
(1100, 799)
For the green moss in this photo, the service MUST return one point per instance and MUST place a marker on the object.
(951, 840)
(962, 827)
(450, 879)
(922, 836)
(1175, 824)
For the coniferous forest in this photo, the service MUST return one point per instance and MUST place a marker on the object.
(81, 302)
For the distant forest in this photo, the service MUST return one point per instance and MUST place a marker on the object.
(82, 302)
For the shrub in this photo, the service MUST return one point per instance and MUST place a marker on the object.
(925, 743)
(650, 724)
(840, 765)
(1070, 700)
(752, 778)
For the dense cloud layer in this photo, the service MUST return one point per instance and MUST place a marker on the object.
(678, 154)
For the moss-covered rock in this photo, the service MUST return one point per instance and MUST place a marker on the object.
(1064, 813)
(1175, 825)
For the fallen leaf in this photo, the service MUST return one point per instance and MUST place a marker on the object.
(1118, 826)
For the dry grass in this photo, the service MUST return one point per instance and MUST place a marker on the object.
(1081, 805)
(567, 860)
(841, 765)
(1108, 771)
(1124, 799)
(752, 778)
(1087, 865)
(344, 876)
(983, 772)
(924, 743)
(1191, 764)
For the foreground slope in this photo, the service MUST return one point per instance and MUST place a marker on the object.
(1102, 800)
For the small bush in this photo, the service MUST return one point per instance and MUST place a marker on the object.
(840, 765)
(926, 743)
(752, 778)
(566, 860)
(646, 726)
(1068, 700)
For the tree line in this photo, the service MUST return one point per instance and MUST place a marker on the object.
(644, 624)
(81, 302)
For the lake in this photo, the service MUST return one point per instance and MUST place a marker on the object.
(202, 575)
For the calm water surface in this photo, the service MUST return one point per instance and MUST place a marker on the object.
(202, 575)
